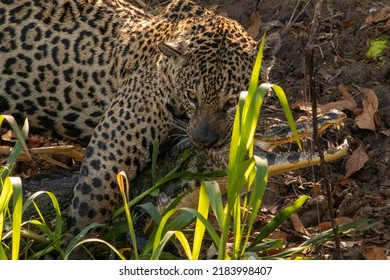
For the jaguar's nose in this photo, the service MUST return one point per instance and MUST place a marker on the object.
(204, 136)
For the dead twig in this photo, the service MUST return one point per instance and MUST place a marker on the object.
(43, 152)
(294, 19)
(311, 91)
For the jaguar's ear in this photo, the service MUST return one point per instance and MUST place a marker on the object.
(173, 49)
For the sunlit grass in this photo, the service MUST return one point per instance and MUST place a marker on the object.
(11, 188)
(247, 177)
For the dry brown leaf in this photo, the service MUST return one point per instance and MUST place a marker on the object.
(317, 189)
(386, 27)
(374, 253)
(339, 105)
(325, 226)
(254, 25)
(358, 111)
(271, 208)
(375, 199)
(346, 103)
(347, 23)
(343, 220)
(301, 25)
(383, 15)
(373, 250)
(307, 106)
(297, 225)
(303, 106)
(366, 120)
(339, 221)
(279, 235)
(7, 136)
(346, 95)
(341, 182)
(357, 160)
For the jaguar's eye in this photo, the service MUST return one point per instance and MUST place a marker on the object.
(192, 96)
(231, 103)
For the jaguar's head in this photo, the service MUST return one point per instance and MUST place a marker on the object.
(210, 60)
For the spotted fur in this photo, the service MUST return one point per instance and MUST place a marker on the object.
(108, 74)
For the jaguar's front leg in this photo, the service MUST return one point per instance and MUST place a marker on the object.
(122, 141)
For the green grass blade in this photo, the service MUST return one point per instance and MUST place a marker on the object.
(267, 245)
(327, 235)
(42, 226)
(75, 241)
(186, 246)
(257, 192)
(20, 144)
(285, 253)
(3, 255)
(152, 211)
(173, 174)
(124, 188)
(97, 240)
(5, 196)
(254, 81)
(243, 108)
(236, 183)
(158, 237)
(16, 215)
(56, 207)
(241, 141)
(20, 134)
(286, 108)
(181, 221)
(279, 219)
(177, 224)
(157, 250)
(235, 141)
(252, 116)
(203, 209)
(215, 197)
(184, 175)
(237, 237)
(209, 228)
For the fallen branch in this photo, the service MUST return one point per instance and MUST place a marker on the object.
(310, 89)
(68, 150)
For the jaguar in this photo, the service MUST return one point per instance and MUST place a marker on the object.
(117, 79)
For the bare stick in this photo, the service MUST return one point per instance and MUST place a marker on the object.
(311, 91)
(294, 19)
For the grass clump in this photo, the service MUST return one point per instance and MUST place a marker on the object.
(247, 177)
(11, 189)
